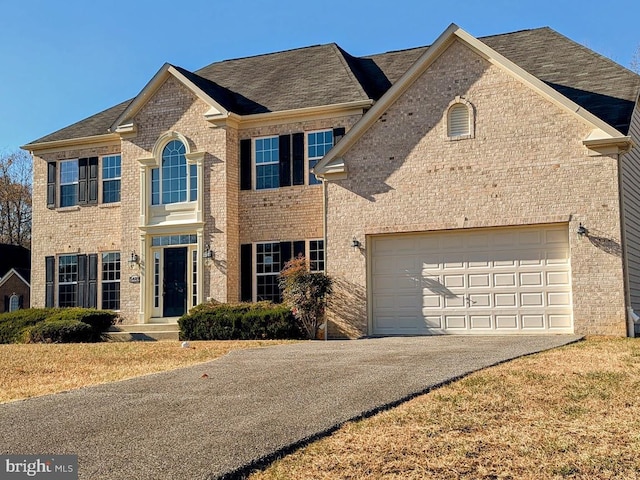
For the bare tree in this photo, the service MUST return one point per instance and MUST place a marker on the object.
(15, 198)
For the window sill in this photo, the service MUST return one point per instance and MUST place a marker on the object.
(109, 205)
(460, 137)
(71, 208)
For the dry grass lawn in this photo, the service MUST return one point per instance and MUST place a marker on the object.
(38, 369)
(573, 412)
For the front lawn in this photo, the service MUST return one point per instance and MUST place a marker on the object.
(38, 369)
(573, 412)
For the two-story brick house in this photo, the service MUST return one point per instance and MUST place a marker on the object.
(482, 186)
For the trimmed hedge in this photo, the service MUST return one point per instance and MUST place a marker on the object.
(14, 325)
(61, 331)
(243, 321)
(28, 325)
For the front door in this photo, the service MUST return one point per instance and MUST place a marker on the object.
(175, 288)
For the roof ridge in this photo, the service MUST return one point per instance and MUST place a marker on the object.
(479, 38)
(268, 54)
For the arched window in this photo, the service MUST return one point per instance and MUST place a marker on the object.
(14, 303)
(174, 181)
(174, 173)
(460, 121)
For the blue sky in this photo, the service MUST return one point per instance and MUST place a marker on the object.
(65, 60)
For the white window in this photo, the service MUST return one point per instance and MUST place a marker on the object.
(267, 162)
(68, 281)
(318, 144)
(14, 303)
(267, 271)
(111, 281)
(174, 181)
(111, 173)
(316, 255)
(68, 183)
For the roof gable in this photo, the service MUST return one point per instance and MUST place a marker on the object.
(13, 272)
(202, 88)
(333, 164)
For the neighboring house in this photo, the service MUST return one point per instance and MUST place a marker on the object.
(476, 186)
(14, 277)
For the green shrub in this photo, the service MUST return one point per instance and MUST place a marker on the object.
(14, 325)
(98, 320)
(244, 321)
(61, 331)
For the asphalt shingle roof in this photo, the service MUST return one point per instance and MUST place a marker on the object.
(326, 74)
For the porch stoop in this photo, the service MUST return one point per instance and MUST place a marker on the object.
(146, 332)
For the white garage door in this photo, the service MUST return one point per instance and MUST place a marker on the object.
(484, 281)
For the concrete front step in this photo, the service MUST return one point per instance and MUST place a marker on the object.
(143, 332)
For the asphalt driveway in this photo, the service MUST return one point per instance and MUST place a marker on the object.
(253, 405)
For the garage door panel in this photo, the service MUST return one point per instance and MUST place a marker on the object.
(479, 280)
(559, 321)
(504, 279)
(453, 281)
(558, 278)
(395, 283)
(454, 301)
(531, 299)
(431, 321)
(531, 279)
(505, 299)
(558, 299)
(455, 322)
(533, 321)
(482, 300)
(480, 321)
(431, 301)
(507, 321)
(495, 280)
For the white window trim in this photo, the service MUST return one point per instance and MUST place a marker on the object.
(103, 281)
(103, 180)
(60, 184)
(307, 168)
(14, 300)
(255, 164)
(472, 120)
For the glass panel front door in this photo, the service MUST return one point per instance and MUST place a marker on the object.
(175, 288)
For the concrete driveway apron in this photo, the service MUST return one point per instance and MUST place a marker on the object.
(254, 404)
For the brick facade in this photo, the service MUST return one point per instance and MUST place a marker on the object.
(526, 165)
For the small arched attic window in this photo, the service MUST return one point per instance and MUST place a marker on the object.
(460, 119)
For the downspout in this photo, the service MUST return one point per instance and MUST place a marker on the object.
(625, 270)
(325, 201)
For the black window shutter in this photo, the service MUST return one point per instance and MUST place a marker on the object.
(298, 158)
(92, 281)
(81, 297)
(51, 185)
(92, 181)
(245, 164)
(21, 302)
(338, 133)
(298, 248)
(50, 265)
(6, 303)
(246, 273)
(284, 152)
(285, 253)
(82, 180)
